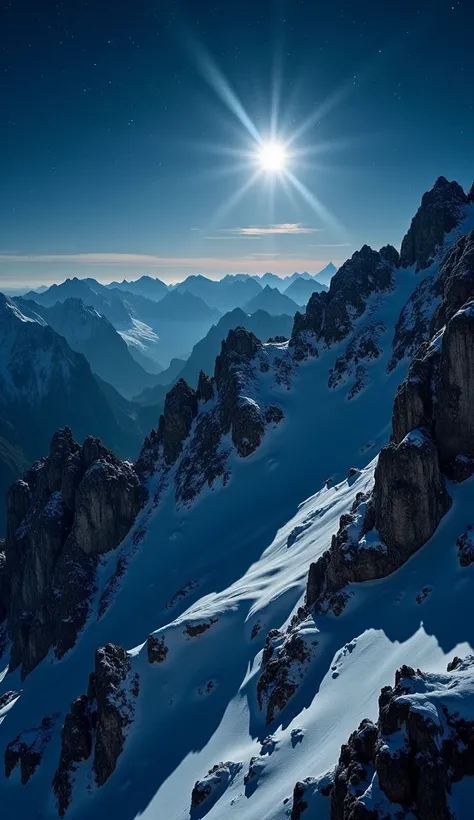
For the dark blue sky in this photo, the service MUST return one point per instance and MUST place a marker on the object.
(117, 144)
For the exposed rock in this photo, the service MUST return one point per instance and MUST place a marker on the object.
(179, 412)
(420, 745)
(205, 389)
(75, 504)
(273, 414)
(76, 746)
(355, 555)
(330, 315)
(285, 661)
(248, 427)
(156, 649)
(233, 374)
(470, 195)
(465, 545)
(454, 423)
(413, 405)
(203, 460)
(97, 722)
(192, 630)
(363, 347)
(455, 282)
(410, 496)
(413, 324)
(28, 748)
(441, 209)
(214, 784)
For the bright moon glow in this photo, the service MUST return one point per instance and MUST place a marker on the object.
(272, 157)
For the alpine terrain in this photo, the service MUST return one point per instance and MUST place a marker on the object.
(268, 614)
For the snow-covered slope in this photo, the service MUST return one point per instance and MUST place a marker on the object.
(209, 715)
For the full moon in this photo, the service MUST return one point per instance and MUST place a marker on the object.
(272, 157)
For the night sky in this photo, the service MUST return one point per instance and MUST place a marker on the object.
(129, 128)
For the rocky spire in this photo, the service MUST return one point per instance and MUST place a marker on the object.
(70, 507)
(441, 209)
(329, 316)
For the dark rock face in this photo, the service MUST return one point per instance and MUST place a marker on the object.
(214, 784)
(465, 545)
(454, 423)
(413, 405)
(330, 316)
(410, 496)
(349, 559)
(97, 722)
(440, 211)
(28, 748)
(180, 410)
(455, 282)
(156, 649)
(413, 753)
(362, 348)
(285, 661)
(413, 325)
(233, 373)
(205, 388)
(75, 504)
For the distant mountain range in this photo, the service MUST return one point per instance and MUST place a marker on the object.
(146, 286)
(91, 334)
(160, 322)
(272, 301)
(300, 290)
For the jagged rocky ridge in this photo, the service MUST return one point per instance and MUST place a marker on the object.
(68, 509)
(97, 722)
(199, 428)
(406, 763)
(432, 438)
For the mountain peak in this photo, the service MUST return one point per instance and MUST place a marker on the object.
(441, 210)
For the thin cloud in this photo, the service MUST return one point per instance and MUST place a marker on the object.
(291, 228)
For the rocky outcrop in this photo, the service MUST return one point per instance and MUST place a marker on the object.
(413, 405)
(413, 324)
(214, 784)
(363, 348)
(285, 661)
(441, 209)
(454, 422)
(385, 528)
(205, 388)
(455, 281)
(175, 423)
(330, 316)
(157, 651)
(239, 415)
(407, 762)
(97, 722)
(410, 495)
(28, 748)
(192, 433)
(72, 506)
